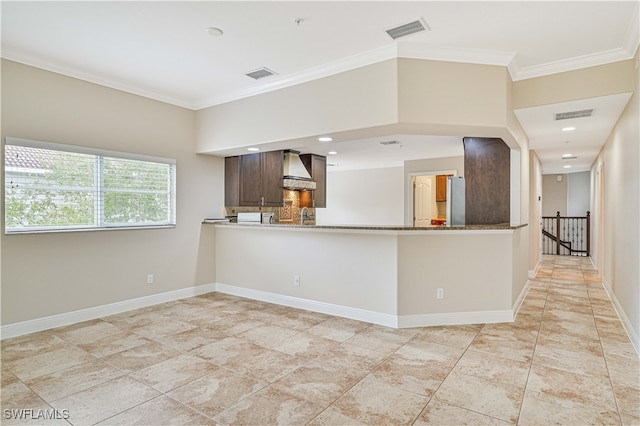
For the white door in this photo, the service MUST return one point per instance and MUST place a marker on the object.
(422, 201)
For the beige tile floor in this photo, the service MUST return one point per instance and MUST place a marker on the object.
(218, 359)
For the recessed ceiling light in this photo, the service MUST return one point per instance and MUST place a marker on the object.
(568, 129)
(214, 31)
(567, 155)
(567, 166)
(325, 139)
(253, 149)
(332, 152)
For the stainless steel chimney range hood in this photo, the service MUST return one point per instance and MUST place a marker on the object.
(295, 174)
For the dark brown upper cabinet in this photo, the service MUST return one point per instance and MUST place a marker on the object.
(487, 171)
(317, 167)
(254, 180)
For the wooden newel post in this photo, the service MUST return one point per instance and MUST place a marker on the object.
(557, 233)
(588, 234)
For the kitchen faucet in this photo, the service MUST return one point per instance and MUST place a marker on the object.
(303, 213)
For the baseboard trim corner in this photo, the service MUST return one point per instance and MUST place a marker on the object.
(534, 271)
(626, 323)
(520, 299)
(402, 321)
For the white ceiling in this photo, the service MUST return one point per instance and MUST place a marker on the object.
(377, 152)
(162, 50)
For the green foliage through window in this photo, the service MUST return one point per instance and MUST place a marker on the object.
(54, 189)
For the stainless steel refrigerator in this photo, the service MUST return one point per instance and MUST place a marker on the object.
(455, 201)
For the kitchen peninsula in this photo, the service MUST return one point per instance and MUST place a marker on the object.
(394, 276)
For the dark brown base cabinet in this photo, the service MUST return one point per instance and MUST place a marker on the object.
(254, 180)
(317, 167)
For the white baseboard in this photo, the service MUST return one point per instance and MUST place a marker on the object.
(389, 320)
(520, 299)
(60, 320)
(455, 318)
(633, 335)
(532, 272)
(403, 321)
(311, 305)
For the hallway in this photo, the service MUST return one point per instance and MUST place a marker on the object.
(220, 359)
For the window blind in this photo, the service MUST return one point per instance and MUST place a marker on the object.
(61, 187)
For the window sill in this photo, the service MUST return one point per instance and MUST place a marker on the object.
(94, 229)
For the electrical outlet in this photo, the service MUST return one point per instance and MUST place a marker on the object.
(150, 279)
(296, 280)
(440, 293)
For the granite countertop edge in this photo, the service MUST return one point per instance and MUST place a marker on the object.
(373, 227)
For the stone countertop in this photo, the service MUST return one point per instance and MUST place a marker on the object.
(505, 226)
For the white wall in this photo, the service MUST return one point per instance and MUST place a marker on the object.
(55, 273)
(377, 276)
(571, 196)
(360, 98)
(338, 268)
(535, 210)
(619, 237)
(554, 195)
(578, 193)
(363, 197)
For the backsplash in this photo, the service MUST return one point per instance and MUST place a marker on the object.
(289, 213)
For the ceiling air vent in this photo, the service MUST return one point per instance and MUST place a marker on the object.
(574, 114)
(408, 29)
(261, 73)
(387, 143)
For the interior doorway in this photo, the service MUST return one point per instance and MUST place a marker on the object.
(417, 187)
(422, 200)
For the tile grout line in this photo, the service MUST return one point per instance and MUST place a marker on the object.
(447, 376)
(604, 357)
(535, 346)
(549, 286)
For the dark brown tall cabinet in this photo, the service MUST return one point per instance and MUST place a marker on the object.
(317, 167)
(487, 170)
(254, 179)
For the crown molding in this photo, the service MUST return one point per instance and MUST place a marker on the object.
(91, 77)
(632, 39)
(389, 51)
(280, 82)
(626, 52)
(601, 58)
(452, 54)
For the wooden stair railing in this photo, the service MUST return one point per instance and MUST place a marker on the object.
(571, 233)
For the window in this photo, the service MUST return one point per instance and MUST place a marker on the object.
(53, 187)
